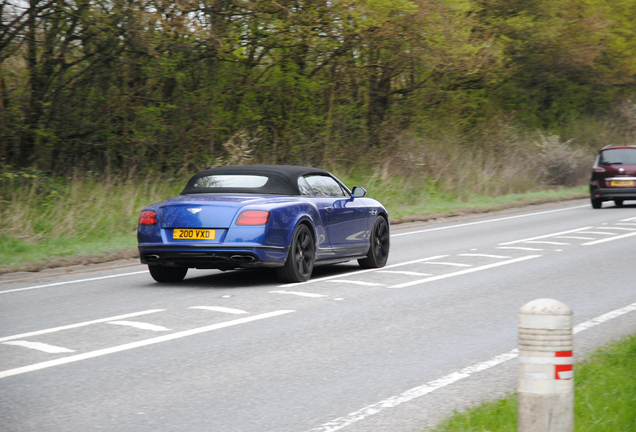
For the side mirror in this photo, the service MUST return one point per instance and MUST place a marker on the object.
(358, 192)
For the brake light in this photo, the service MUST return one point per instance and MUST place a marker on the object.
(598, 169)
(253, 217)
(148, 217)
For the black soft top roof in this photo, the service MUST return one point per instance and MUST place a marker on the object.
(282, 179)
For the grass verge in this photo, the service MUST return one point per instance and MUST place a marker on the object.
(48, 222)
(605, 397)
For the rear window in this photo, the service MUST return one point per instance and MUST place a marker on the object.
(231, 181)
(624, 156)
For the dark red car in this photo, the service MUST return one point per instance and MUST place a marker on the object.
(614, 175)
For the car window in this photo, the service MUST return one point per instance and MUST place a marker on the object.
(304, 187)
(231, 181)
(325, 186)
(619, 156)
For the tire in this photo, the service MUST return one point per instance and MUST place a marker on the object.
(379, 249)
(597, 203)
(300, 259)
(167, 274)
(618, 202)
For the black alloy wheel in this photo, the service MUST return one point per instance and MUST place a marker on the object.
(378, 253)
(167, 274)
(300, 260)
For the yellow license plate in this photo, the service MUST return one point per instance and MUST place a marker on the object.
(193, 234)
(622, 183)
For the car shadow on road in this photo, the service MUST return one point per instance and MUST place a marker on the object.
(252, 278)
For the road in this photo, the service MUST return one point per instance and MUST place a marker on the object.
(394, 349)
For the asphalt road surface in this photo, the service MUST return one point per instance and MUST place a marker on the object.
(394, 349)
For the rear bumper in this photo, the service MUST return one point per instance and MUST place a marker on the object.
(206, 257)
(613, 193)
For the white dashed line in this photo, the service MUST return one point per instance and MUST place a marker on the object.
(140, 325)
(519, 248)
(298, 293)
(448, 264)
(431, 386)
(609, 239)
(355, 282)
(220, 309)
(82, 324)
(485, 256)
(548, 242)
(133, 345)
(407, 273)
(575, 237)
(39, 346)
(544, 236)
(618, 228)
(599, 233)
(462, 272)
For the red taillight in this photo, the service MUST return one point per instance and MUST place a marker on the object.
(598, 169)
(253, 217)
(148, 217)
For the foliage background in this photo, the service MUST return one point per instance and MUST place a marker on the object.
(120, 86)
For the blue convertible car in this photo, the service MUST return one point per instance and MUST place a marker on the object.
(288, 217)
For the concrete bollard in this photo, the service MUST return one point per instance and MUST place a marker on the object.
(546, 376)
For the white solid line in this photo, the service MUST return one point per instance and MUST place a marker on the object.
(448, 264)
(598, 232)
(408, 273)
(299, 293)
(71, 282)
(356, 282)
(486, 221)
(609, 239)
(220, 309)
(519, 248)
(416, 392)
(485, 255)
(543, 236)
(140, 325)
(462, 272)
(82, 324)
(548, 242)
(51, 349)
(359, 272)
(133, 345)
(576, 237)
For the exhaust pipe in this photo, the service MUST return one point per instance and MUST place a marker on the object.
(152, 257)
(242, 258)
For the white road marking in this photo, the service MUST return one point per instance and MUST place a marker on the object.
(431, 386)
(548, 242)
(609, 239)
(140, 325)
(543, 236)
(486, 221)
(598, 232)
(617, 228)
(575, 237)
(408, 273)
(462, 272)
(82, 324)
(51, 349)
(359, 272)
(519, 248)
(220, 309)
(448, 264)
(628, 219)
(299, 293)
(72, 282)
(485, 255)
(626, 223)
(355, 282)
(133, 345)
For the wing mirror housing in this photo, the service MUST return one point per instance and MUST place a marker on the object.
(358, 192)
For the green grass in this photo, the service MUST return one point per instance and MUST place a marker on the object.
(605, 397)
(44, 219)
